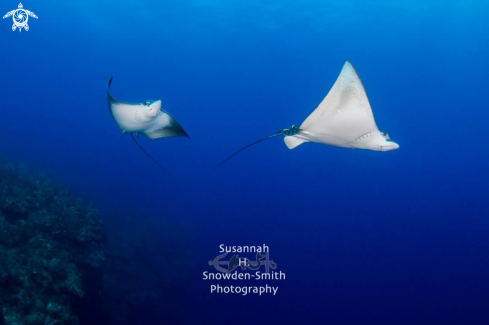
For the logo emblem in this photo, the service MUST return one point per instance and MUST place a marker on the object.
(20, 17)
(245, 263)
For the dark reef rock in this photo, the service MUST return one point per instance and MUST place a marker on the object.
(49, 245)
(58, 267)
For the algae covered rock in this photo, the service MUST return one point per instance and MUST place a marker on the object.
(49, 244)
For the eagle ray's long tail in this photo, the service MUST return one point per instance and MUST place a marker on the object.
(234, 154)
(147, 154)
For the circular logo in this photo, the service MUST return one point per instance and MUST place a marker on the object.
(20, 18)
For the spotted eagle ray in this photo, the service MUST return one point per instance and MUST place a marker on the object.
(144, 118)
(343, 119)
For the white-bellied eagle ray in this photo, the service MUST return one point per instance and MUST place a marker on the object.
(343, 119)
(144, 118)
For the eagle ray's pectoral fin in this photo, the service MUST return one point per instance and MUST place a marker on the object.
(172, 129)
(291, 141)
(164, 133)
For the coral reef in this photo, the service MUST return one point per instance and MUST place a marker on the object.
(50, 243)
(58, 265)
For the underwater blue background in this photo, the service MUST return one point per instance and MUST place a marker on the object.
(363, 237)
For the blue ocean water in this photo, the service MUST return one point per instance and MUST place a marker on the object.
(363, 237)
